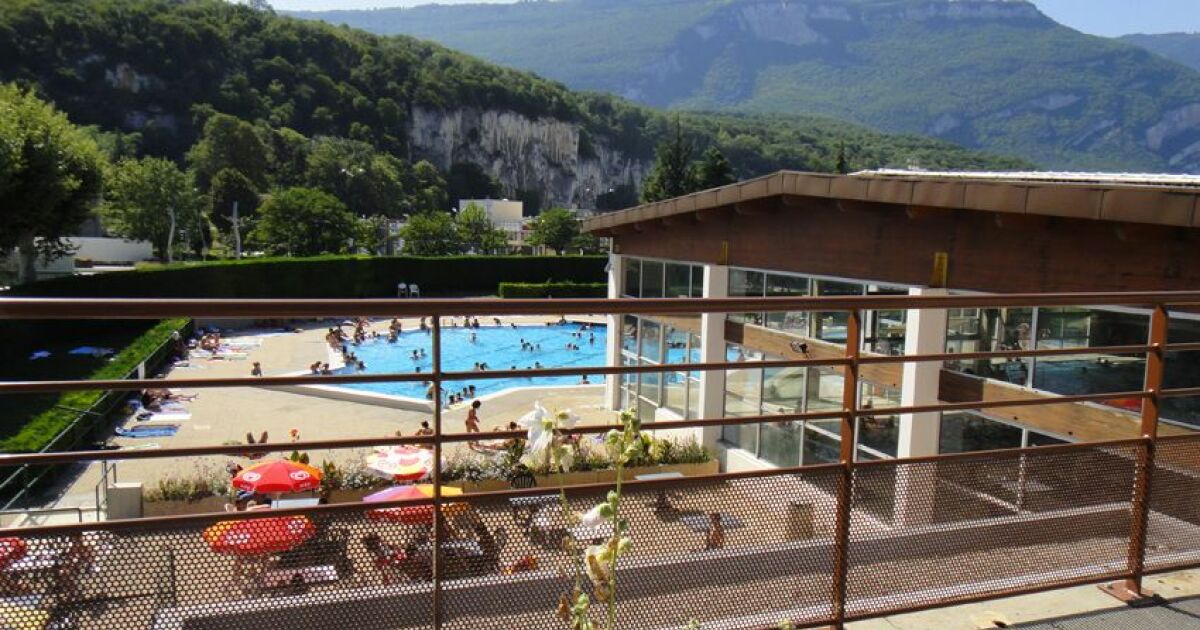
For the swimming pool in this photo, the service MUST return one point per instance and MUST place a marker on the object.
(497, 346)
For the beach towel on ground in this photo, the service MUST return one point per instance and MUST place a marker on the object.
(94, 351)
(165, 416)
(142, 431)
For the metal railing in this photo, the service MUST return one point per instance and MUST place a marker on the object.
(954, 528)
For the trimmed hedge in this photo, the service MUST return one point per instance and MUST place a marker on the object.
(44, 427)
(324, 277)
(553, 289)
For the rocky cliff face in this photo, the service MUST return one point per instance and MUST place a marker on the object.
(540, 154)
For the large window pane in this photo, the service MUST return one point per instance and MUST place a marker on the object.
(651, 347)
(989, 330)
(821, 442)
(885, 329)
(1182, 370)
(824, 389)
(783, 390)
(697, 281)
(679, 280)
(743, 283)
(781, 443)
(1090, 374)
(831, 326)
(787, 286)
(962, 432)
(879, 433)
(693, 393)
(652, 279)
(633, 277)
(742, 398)
(629, 326)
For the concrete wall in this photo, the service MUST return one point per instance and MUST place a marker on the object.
(111, 250)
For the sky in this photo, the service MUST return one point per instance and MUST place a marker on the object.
(1098, 17)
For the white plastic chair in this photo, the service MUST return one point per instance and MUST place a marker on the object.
(402, 290)
(414, 291)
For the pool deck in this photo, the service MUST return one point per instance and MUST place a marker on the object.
(225, 415)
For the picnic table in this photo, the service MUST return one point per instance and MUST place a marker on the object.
(661, 502)
(699, 523)
(280, 504)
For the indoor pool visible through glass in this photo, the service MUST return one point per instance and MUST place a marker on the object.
(499, 347)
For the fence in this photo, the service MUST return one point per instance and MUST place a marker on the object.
(813, 545)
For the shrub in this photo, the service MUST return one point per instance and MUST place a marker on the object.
(552, 289)
(324, 277)
(43, 428)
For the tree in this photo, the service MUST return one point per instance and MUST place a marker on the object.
(714, 170)
(152, 200)
(369, 182)
(555, 228)
(587, 243)
(51, 175)
(477, 232)
(230, 142)
(842, 166)
(304, 222)
(229, 186)
(431, 234)
(673, 174)
(426, 189)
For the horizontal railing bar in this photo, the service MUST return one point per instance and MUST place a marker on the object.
(1002, 354)
(997, 453)
(147, 308)
(1182, 347)
(1179, 392)
(991, 404)
(71, 457)
(959, 600)
(333, 508)
(27, 387)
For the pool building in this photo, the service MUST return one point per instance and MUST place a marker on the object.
(905, 233)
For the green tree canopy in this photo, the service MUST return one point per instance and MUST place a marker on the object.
(714, 170)
(426, 189)
(431, 234)
(51, 174)
(229, 142)
(229, 186)
(555, 228)
(673, 173)
(304, 222)
(477, 232)
(151, 199)
(368, 182)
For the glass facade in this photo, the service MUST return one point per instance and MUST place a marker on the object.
(649, 341)
(971, 330)
(965, 431)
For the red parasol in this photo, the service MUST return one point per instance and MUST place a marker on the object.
(256, 537)
(278, 476)
(416, 514)
(11, 550)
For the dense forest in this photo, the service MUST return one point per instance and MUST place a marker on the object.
(152, 73)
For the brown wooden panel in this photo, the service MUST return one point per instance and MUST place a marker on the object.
(1083, 422)
(879, 242)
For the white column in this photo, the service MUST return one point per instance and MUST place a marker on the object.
(612, 382)
(712, 350)
(925, 333)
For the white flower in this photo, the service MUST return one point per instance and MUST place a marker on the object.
(535, 417)
(566, 419)
(594, 517)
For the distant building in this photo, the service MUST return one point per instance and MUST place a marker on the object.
(508, 217)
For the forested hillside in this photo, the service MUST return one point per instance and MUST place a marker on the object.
(990, 74)
(1181, 47)
(151, 73)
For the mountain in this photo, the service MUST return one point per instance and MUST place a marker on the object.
(993, 74)
(158, 67)
(1181, 47)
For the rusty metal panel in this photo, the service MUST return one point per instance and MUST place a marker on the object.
(995, 197)
(850, 188)
(1147, 206)
(1173, 534)
(930, 533)
(1065, 201)
(890, 191)
(938, 194)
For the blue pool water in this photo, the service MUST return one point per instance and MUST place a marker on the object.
(498, 347)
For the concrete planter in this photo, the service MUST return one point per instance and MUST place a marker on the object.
(593, 476)
(178, 508)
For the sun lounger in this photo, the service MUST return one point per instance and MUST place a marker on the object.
(143, 431)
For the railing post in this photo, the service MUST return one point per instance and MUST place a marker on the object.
(845, 488)
(436, 380)
(1131, 590)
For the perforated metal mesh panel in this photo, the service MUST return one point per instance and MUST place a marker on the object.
(1173, 537)
(1046, 517)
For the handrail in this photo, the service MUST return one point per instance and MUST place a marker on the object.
(129, 308)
